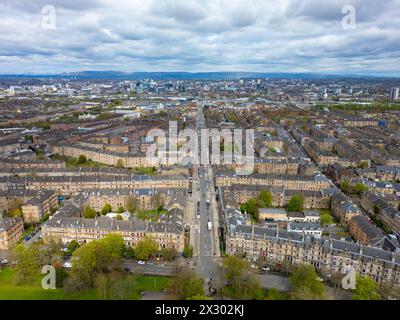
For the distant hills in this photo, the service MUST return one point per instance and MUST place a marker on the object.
(116, 75)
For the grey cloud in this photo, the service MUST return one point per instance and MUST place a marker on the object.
(203, 35)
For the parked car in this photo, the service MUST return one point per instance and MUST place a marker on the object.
(266, 269)
(4, 261)
(141, 262)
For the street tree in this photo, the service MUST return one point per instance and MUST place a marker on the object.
(145, 248)
(241, 282)
(305, 283)
(186, 284)
(168, 254)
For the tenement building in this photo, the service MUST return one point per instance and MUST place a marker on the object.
(11, 230)
(325, 254)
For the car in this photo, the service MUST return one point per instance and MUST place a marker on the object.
(67, 265)
(266, 269)
(4, 261)
(141, 262)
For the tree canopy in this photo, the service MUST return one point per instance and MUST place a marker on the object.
(366, 289)
(241, 282)
(99, 256)
(89, 212)
(305, 283)
(145, 248)
(106, 209)
(296, 203)
(186, 284)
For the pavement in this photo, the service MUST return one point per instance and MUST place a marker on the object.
(150, 270)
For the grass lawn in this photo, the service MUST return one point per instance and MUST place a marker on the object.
(34, 291)
(152, 284)
(73, 162)
(150, 215)
(145, 171)
(327, 219)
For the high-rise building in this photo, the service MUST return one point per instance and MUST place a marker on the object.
(394, 94)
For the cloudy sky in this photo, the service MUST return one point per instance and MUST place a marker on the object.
(199, 35)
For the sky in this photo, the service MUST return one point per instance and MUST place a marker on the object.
(200, 36)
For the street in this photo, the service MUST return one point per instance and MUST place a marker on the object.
(207, 224)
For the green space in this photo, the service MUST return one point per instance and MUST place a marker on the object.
(145, 171)
(326, 218)
(80, 162)
(150, 215)
(34, 291)
(376, 106)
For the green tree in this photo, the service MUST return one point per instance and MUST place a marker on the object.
(251, 208)
(132, 204)
(188, 251)
(51, 252)
(17, 212)
(106, 209)
(305, 283)
(363, 164)
(82, 159)
(366, 289)
(27, 262)
(168, 254)
(99, 256)
(89, 212)
(359, 188)
(15, 205)
(241, 281)
(157, 201)
(266, 197)
(296, 203)
(145, 248)
(120, 164)
(121, 210)
(114, 286)
(345, 186)
(186, 284)
(72, 246)
(128, 253)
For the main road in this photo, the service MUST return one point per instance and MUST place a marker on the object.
(207, 227)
